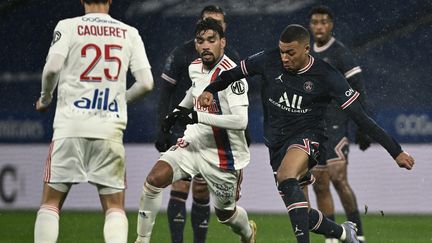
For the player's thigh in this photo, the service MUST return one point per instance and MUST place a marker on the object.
(105, 163)
(224, 186)
(182, 160)
(66, 161)
(338, 172)
(53, 197)
(293, 165)
(112, 200)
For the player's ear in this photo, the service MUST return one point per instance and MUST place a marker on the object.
(223, 42)
(307, 48)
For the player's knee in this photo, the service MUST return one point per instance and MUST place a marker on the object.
(200, 190)
(181, 186)
(223, 216)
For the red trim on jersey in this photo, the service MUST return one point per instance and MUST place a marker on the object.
(47, 174)
(197, 61)
(224, 65)
(227, 63)
(223, 156)
(350, 101)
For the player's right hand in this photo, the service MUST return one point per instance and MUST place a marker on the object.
(404, 160)
(205, 99)
(40, 106)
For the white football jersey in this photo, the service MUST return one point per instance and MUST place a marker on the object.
(224, 148)
(92, 83)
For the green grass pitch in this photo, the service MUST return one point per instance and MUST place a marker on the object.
(17, 227)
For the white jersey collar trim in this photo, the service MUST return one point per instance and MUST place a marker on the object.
(318, 49)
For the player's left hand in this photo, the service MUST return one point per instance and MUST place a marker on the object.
(205, 99)
(362, 139)
(187, 116)
(404, 160)
(40, 106)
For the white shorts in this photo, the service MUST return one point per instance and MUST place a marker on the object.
(75, 160)
(224, 185)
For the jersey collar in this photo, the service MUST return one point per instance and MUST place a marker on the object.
(308, 66)
(318, 49)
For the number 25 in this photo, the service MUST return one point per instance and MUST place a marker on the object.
(107, 56)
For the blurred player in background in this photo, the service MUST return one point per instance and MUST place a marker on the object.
(334, 166)
(88, 59)
(296, 89)
(214, 143)
(174, 84)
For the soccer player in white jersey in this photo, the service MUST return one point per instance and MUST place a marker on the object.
(214, 143)
(88, 60)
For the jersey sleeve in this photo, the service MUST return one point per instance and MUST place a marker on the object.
(340, 89)
(348, 65)
(173, 65)
(139, 58)
(237, 93)
(251, 66)
(60, 43)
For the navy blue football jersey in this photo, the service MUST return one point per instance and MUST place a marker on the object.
(337, 55)
(295, 102)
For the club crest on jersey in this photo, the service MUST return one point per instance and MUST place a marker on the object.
(56, 37)
(238, 87)
(308, 86)
(99, 101)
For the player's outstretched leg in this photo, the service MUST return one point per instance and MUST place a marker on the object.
(239, 223)
(319, 224)
(350, 232)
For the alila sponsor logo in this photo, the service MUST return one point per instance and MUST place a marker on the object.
(99, 101)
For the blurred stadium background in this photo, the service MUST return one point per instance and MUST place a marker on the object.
(391, 39)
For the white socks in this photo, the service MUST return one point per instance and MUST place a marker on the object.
(150, 203)
(116, 226)
(239, 223)
(47, 224)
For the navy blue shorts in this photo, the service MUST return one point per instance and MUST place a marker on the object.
(309, 142)
(336, 147)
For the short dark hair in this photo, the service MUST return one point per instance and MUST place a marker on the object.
(294, 32)
(209, 24)
(211, 9)
(95, 1)
(322, 9)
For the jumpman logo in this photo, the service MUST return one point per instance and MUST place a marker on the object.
(279, 78)
(297, 231)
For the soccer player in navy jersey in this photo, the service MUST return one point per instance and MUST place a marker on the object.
(296, 89)
(174, 84)
(333, 166)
